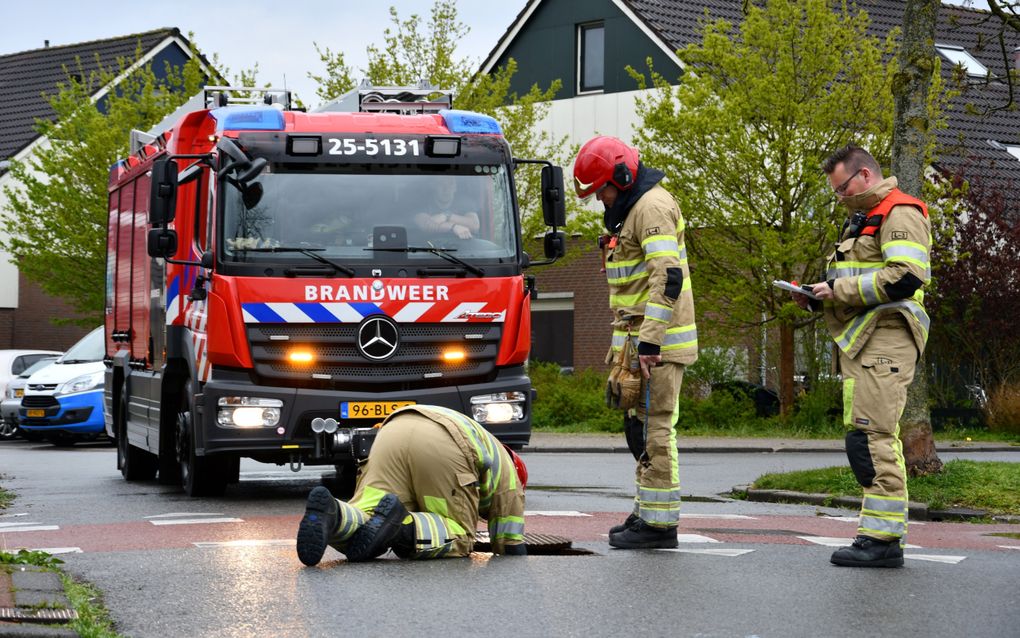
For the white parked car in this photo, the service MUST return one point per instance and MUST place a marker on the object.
(14, 362)
(12, 398)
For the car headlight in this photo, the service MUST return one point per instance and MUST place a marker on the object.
(83, 383)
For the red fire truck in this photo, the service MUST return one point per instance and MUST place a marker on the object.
(279, 281)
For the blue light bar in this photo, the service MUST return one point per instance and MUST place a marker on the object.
(248, 118)
(469, 122)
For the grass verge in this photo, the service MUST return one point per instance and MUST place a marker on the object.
(6, 498)
(991, 486)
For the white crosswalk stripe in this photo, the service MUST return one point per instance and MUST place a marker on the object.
(247, 543)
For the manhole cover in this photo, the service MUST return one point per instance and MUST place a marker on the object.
(538, 545)
(26, 614)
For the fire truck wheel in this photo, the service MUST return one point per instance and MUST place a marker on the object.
(135, 464)
(200, 475)
(344, 482)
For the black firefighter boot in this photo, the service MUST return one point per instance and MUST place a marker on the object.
(641, 535)
(869, 552)
(378, 533)
(631, 519)
(320, 522)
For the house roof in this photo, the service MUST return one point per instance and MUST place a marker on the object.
(971, 143)
(27, 75)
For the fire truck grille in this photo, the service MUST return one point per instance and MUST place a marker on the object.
(335, 357)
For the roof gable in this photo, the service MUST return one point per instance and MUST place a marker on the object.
(26, 76)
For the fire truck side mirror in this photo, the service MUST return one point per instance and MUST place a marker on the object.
(162, 242)
(163, 193)
(553, 205)
(555, 244)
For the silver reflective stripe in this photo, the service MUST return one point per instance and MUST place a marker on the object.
(508, 528)
(661, 246)
(881, 525)
(659, 313)
(676, 337)
(620, 339)
(647, 495)
(891, 505)
(835, 272)
(683, 253)
(869, 289)
(624, 273)
(914, 253)
(429, 530)
(659, 516)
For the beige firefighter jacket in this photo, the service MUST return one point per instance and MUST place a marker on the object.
(868, 272)
(500, 494)
(649, 282)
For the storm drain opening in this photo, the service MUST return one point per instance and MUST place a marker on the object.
(538, 545)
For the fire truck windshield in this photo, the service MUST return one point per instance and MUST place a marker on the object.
(347, 214)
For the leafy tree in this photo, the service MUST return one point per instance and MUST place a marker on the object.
(57, 207)
(741, 138)
(414, 50)
(912, 149)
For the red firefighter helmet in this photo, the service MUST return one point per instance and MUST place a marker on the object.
(603, 160)
(522, 469)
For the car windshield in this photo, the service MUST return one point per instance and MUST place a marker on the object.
(92, 347)
(35, 367)
(371, 214)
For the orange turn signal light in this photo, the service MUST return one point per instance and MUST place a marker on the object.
(300, 356)
(454, 355)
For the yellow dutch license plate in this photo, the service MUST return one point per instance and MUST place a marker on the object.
(35, 413)
(370, 409)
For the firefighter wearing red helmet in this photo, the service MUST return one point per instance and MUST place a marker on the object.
(653, 308)
(431, 475)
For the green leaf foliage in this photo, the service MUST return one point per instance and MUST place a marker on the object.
(57, 205)
(742, 137)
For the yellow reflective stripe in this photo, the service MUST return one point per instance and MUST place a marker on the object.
(848, 403)
(370, 497)
(437, 505)
(908, 251)
(623, 301)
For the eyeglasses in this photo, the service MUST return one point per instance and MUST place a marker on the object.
(841, 189)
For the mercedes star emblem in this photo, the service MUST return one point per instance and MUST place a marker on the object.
(378, 338)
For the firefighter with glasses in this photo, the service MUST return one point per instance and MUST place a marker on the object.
(873, 305)
(431, 475)
(654, 334)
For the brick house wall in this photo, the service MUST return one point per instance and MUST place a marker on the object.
(30, 325)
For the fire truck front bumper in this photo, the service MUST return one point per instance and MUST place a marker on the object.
(334, 426)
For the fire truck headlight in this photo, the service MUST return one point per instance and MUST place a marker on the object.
(501, 407)
(248, 412)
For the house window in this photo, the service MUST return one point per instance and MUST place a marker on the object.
(960, 57)
(591, 57)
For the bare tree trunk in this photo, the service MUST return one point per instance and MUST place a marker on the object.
(911, 134)
(786, 371)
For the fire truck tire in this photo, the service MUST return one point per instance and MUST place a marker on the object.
(200, 475)
(135, 464)
(346, 478)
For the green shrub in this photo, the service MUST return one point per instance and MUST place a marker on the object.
(571, 402)
(720, 411)
(820, 411)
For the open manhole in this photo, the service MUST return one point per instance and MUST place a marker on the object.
(538, 545)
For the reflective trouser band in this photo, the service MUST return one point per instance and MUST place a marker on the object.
(351, 518)
(507, 528)
(883, 516)
(658, 506)
(434, 534)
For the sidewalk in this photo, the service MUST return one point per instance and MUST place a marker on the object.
(599, 443)
(32, 603)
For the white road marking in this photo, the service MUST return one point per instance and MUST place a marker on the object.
(830, 541)
(60, 550)
(729, 553)
(198, 521)
(695, 538)
(855, 520)
(721, 516)
(13, 515)
(29, 528)
(556, 513)
(936, 558)
(1010, 546)
(185, 515)
(248, 543)
(18, 524)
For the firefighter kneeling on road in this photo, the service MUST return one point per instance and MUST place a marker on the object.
(431, 474)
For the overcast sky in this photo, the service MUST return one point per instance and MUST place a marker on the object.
(278, 35)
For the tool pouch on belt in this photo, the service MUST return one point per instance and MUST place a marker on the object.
(623, 388)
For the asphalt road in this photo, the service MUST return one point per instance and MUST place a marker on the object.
(174, 566)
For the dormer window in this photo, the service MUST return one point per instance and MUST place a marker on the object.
(960, 57)
(591, 57)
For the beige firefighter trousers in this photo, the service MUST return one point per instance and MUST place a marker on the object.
(417, 459)
(875, 386)
(657, 499)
